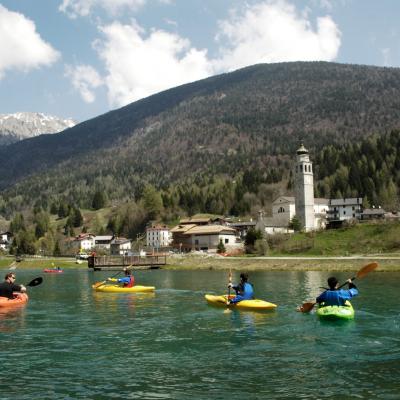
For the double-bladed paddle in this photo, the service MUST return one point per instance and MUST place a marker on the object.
(35, 282)
(366, 269)
(98, 284)
(227, 310)
(229, 287)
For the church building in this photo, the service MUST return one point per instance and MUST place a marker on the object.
(311, 212)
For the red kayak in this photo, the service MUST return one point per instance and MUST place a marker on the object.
(19, 299)
(53, 271)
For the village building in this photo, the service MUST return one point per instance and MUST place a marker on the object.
(345, 209)
(120, 246)
(373, 213)
(5, 240)
(242, 227)
(103, 242)
(85, 241)
(158, 236)
(188, 237)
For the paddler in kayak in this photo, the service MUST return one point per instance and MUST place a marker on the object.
(244, 290)
(8, 287)
(127, 281)
(335, 296)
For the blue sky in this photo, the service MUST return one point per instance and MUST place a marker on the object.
(80, 58)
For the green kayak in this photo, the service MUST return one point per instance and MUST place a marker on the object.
(336, 312)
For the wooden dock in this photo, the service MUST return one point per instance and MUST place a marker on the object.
(98, 263)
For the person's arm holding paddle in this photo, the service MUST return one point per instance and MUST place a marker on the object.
(334, 291)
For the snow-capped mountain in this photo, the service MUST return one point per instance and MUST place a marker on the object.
(23, 125)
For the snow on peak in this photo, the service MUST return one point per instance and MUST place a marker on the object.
(22, 125)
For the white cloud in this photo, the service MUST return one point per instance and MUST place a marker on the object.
(21, 47)
(75, 8)
(140, 65)
(85, 79)
(273, 31)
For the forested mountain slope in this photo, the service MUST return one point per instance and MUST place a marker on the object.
(246, 122)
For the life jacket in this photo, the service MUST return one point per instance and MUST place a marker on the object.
(131, 282)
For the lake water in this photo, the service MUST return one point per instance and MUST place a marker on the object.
(70, 342)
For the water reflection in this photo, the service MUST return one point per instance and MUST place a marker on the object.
(12, 319)
(171, 344)
(248, 319)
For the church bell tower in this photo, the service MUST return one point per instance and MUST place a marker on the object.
(304, 189)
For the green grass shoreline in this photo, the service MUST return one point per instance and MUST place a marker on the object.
(284, 264)
(196, 262)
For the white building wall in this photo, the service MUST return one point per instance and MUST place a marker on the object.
(87, 244)
(283, 211)
(343, 209)
(272, 230)
(212, 241)
(158, 237)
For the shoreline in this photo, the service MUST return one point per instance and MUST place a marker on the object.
(213, 262)
(386, 264)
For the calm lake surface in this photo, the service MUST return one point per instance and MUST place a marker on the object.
(70, 342)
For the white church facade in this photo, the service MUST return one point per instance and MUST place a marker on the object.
(311, 212)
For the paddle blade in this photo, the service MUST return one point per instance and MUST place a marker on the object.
(98, 284)
(306, 307)
(35, 282)
(366, 269)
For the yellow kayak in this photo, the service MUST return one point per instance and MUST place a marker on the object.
(120, 289)
(255, 304)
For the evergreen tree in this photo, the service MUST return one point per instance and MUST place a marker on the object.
(99, 200)
(42, 221)
(54, 208)
(152, 202)
(251, 237)
(63, 209)
(77, 218)
(221, 248)
(17, 224)
(57, 250)
(295, 224)
(25, 242)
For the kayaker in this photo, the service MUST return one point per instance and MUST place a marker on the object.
(335, 296)
(127, 281)
(244, 290)
(8, 287)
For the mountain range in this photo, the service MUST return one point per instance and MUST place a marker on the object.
(23, 125)
(250, 119)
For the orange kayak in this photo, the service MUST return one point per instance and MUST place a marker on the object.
(19, 299)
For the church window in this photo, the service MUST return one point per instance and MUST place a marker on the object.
(281, 210)
(301, 168)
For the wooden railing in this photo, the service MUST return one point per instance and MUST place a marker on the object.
(106, 262)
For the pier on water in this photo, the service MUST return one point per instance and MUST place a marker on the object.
(98, 263)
